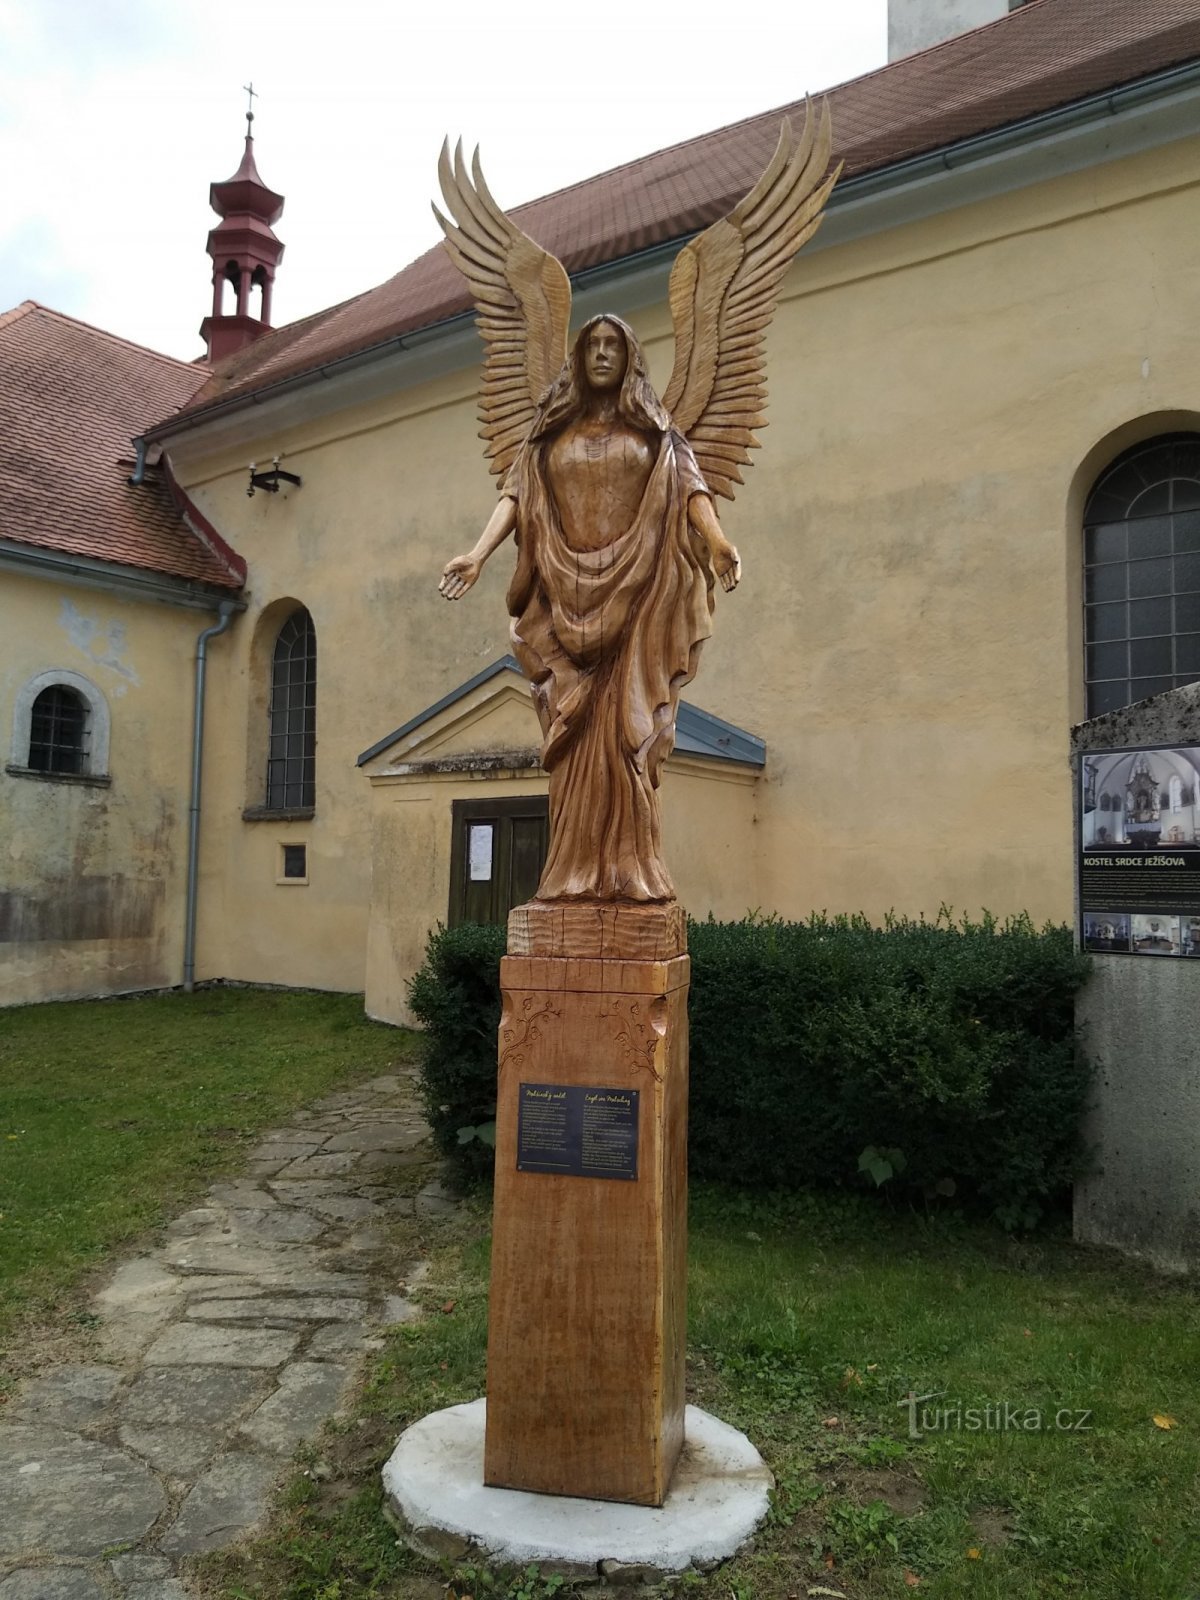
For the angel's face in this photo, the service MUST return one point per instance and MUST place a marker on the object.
(605, 357)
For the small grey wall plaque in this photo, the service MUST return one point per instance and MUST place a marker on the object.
(578, 1130)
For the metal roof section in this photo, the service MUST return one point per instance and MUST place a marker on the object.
(697, 733)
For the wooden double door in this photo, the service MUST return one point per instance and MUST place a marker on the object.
(497, 853)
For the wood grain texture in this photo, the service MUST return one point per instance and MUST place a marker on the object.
(609, 492)
(604, 930)
(523, 297)
(723, 290)
(588, 1316)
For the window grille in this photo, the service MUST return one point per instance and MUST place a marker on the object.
(58, 731)
(291, 759)
(1142, 574)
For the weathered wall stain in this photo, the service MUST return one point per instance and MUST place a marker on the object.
(92, 877)
(69, 909)
(106, 646)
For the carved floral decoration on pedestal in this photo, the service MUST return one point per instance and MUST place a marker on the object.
(516, 1033)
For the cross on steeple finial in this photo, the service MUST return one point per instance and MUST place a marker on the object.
(253, 93)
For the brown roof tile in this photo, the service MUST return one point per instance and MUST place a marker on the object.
(1044, 55)
(71, 398)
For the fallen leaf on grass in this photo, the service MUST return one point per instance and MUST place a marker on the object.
(831, 1422)
(974, 1554)
(832, 1594)
(1161, 1420)
(449, 1306)
(911, 1579)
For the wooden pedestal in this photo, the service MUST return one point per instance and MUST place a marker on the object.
(588, 1300)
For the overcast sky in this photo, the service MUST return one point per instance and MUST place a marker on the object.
(115, 116)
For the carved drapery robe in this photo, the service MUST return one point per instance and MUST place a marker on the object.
(608, 638)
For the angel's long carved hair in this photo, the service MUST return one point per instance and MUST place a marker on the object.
(566, 398)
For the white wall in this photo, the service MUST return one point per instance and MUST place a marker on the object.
(916, 24)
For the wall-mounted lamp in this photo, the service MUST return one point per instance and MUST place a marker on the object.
(270, 479)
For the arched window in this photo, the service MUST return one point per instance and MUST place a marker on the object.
(292, 756)
(60, 728)
(231, 280)
(58, 731)
(1142, 574)
(257, 303)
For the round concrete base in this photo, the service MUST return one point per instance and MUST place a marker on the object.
(434, 1485)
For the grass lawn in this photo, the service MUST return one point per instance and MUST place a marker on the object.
(114, 1114)
(809, 1321)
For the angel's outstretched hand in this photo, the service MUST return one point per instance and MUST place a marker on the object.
(459, 576)
(726, 562)
(727, 565)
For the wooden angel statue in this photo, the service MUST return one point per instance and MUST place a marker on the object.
(609, 491)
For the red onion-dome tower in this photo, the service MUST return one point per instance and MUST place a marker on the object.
(245, 253)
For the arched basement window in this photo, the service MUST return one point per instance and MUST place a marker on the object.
(1141, 541)
(59, 731)
(292, 757)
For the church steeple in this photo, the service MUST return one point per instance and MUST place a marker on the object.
(245, 253)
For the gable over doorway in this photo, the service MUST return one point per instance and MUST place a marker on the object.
(459, 789)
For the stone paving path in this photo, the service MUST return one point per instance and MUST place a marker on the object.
(219, 1352)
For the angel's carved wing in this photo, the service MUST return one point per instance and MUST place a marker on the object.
(722, 295)
(522, 302)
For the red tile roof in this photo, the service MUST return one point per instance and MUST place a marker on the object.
(71, 399)
(1046, 54)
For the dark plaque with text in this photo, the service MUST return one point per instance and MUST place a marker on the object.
(578, 1130)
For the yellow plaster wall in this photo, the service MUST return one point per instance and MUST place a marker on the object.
(92, 878)
(411, 834)
(907, 636)
(383, 503)
(710, 823)
(411, 874)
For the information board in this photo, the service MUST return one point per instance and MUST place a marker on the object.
(1139, 859)
(577, 1130)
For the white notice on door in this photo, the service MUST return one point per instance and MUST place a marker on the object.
(479, 852)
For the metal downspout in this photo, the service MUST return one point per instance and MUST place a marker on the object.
(225, 612)
(138, 475)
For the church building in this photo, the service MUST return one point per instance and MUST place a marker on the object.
(247, 738)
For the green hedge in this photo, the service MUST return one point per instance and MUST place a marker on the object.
(456, 998)
(938, 1060)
